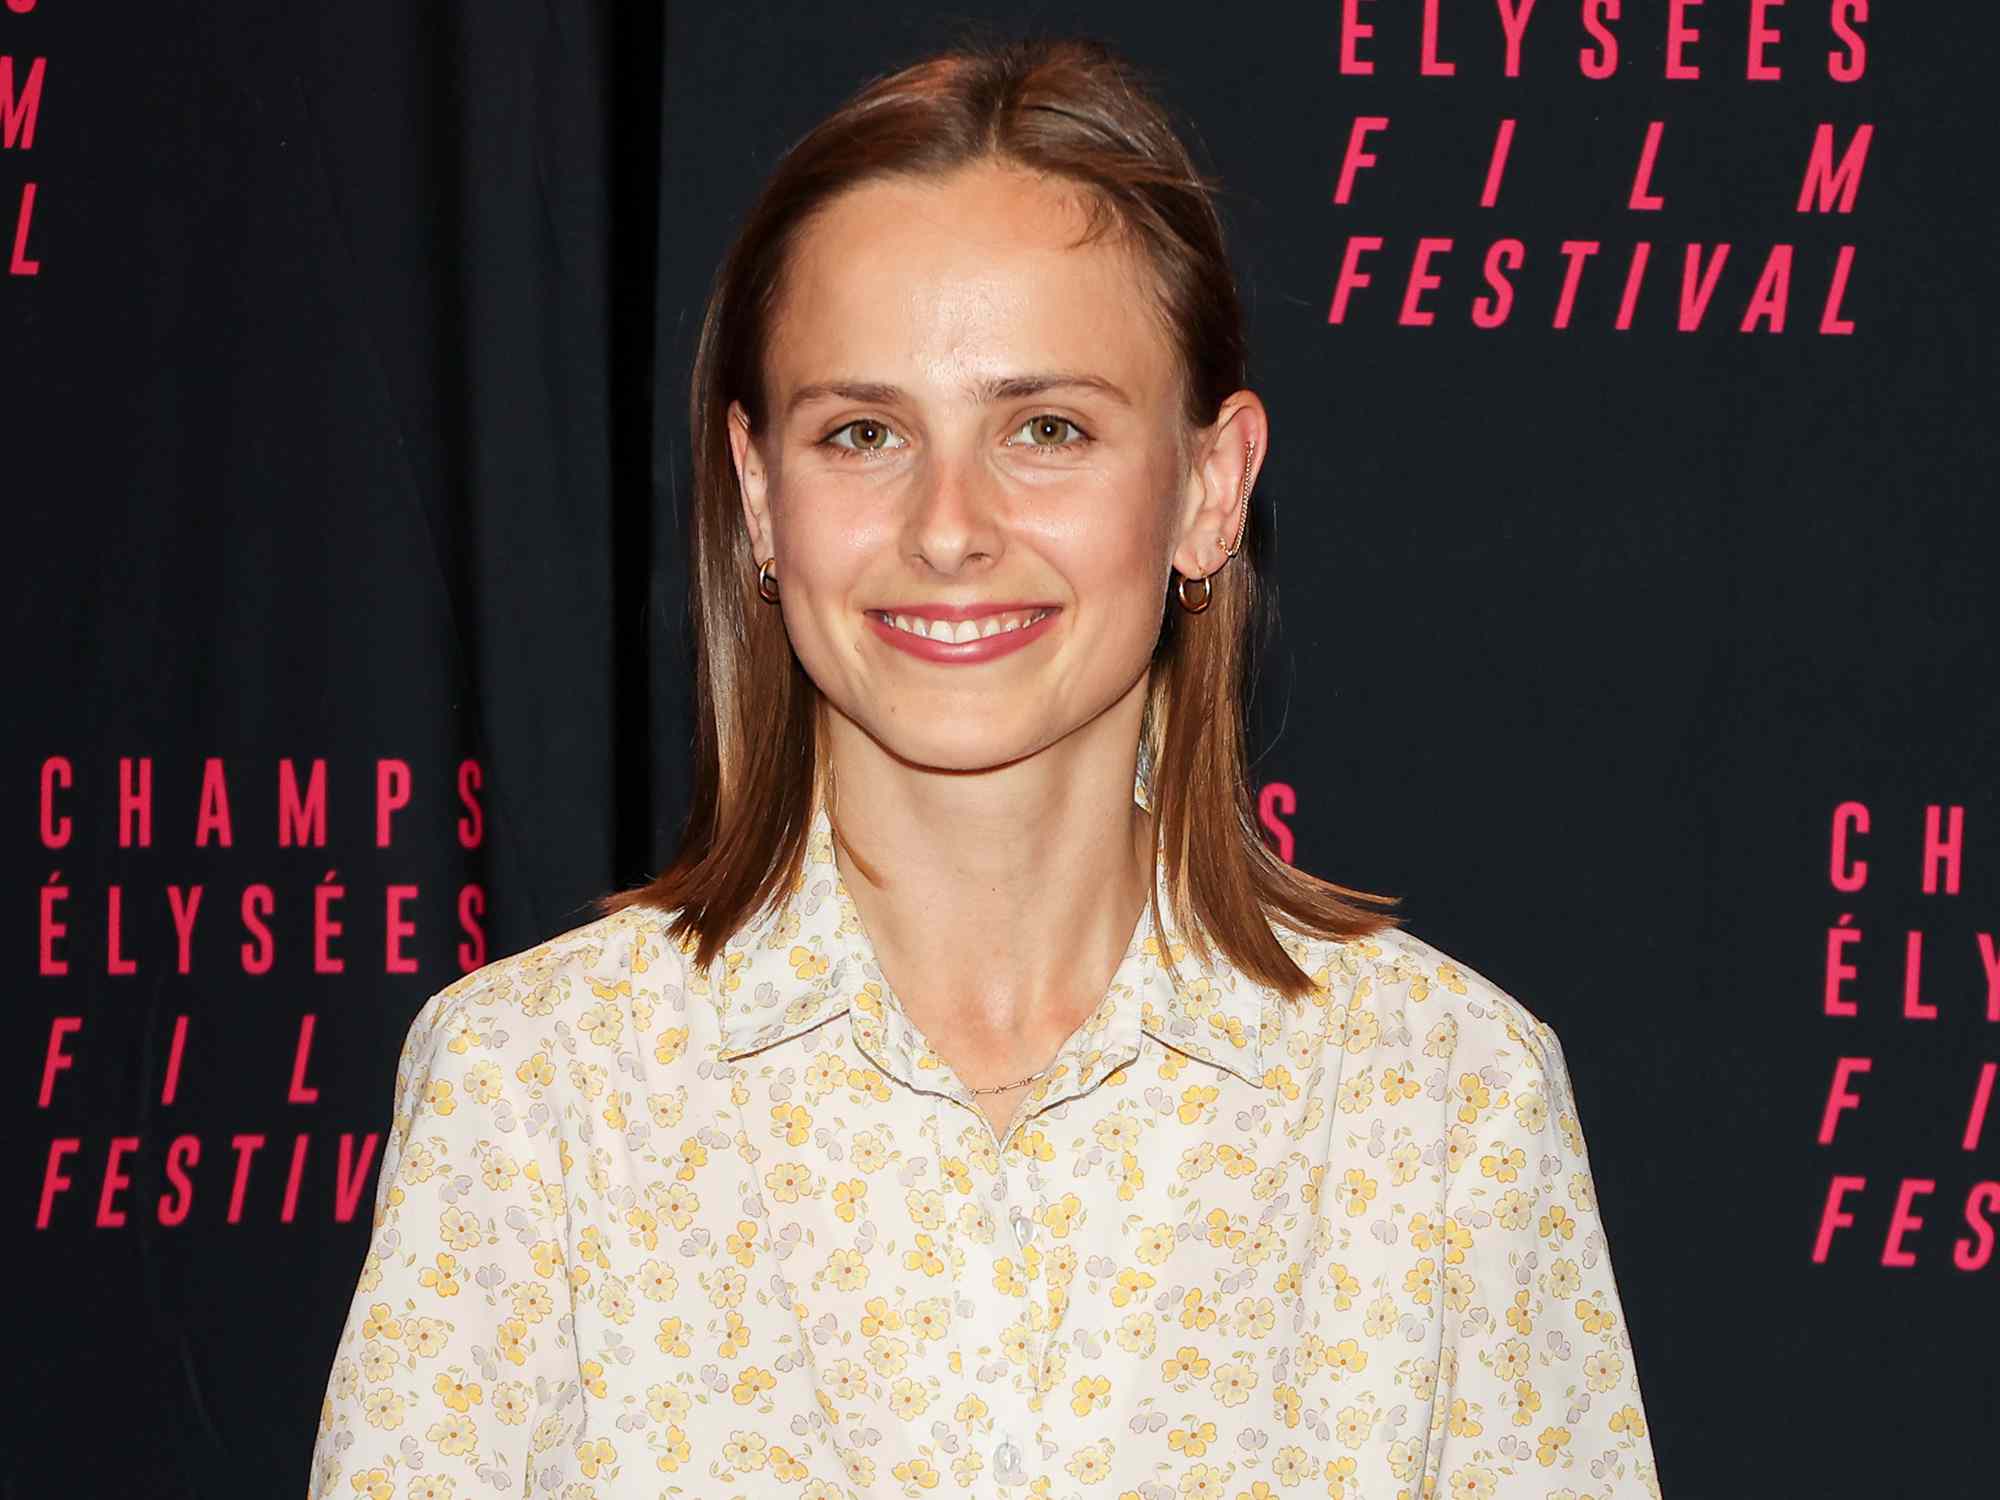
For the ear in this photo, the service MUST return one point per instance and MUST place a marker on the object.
(1221, 473)
(751, 482)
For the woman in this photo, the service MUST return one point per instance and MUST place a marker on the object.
(977, 1104)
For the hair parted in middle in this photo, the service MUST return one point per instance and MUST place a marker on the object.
(1070, 109)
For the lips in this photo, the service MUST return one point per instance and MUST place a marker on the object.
(965, 628)
(962, 634)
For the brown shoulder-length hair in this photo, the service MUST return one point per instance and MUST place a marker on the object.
(1072, 110)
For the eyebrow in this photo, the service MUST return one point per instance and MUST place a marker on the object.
(1000, 388)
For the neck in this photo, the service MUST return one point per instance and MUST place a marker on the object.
(998, 902)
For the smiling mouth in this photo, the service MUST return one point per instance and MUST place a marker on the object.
(957, 632)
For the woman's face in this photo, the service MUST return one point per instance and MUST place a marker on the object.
(974, 432)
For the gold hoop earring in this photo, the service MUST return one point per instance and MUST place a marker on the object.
(1207, 593)
(1243, 511)
(767, 579)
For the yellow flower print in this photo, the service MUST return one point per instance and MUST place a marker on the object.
(595, 1457)
(383, 1408)
(672, 1043)
(1192, 1441)
(877, 1316)
(1519, 1317)
(741, 1246)
(1234, 1163)
(1421, 1281)
(1155, 1243)
(672, 1338)
(457, 1394)
(1455, 1239)
(1130, 1283)
(1233, 1383)
(443, 1277)
(751, 1382)
(602, 1024)
(645, 1227)
(1459, 1144)
(1091, 1463)
(807, 964)
(1357, 1190)
(969, 1411)
(381, 1323)
(1171, 1064)
(1474, 1097)
(1195, 1100)
(1343, 1286)
(590, 1247)
(1549, 1446)
(735, 1335)
(1593, 1317)
(674, 1450)
(1473, 1482)
(791, 1123)
(908, 1399)
(372, 1484)
(1088, 1394)
(1033, 1145)
(1527, 1401)
(1503, 1164)
(790, 1181)
(847, 1270)
(916, 1475)
(847, 1198)
(1628, 1420)
(923, 1256)
(1187, 1363)
(745, 1451)
(1462, 1422)
(1194, 1313)
(1289, 1404)
(928, 1319)
(1220, 1233)
(957, 1175)
(1060, 1217)
(1278, 1078)
(536, 1071)
(1345, 1358)
(785, 1467)
(1556, 1224)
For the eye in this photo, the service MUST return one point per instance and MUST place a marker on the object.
(1043, 426)
(873, 437)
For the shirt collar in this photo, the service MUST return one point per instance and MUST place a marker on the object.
(806, 960)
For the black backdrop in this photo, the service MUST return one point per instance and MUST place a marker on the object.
(345, 424)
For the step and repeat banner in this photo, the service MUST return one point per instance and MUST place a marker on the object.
(1630, 506)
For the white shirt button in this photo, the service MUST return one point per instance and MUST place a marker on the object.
(1007, 1465)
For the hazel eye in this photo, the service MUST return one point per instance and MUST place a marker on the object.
(873, 437)
(1046, 424)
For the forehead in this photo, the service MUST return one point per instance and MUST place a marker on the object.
(973, 275)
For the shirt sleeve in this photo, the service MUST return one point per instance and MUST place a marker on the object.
(1538, 1391)
(454, 1361)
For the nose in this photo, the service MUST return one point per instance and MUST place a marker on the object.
(953, 521)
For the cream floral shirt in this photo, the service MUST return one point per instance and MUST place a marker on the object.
(647, 1231)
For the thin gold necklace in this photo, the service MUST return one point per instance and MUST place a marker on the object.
(1019, 1083)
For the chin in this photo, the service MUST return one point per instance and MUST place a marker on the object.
(953, 743)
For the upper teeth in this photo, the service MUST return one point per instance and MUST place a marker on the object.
(964, 630)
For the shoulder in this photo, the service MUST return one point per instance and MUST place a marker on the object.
(584, 996)
(1396, 998)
